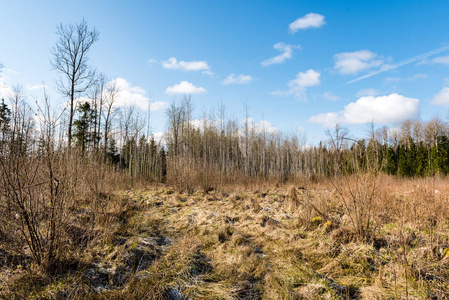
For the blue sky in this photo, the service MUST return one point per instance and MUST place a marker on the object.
(291, 60)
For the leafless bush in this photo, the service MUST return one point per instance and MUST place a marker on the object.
(188, 175)
(358, 193)
(41, 189)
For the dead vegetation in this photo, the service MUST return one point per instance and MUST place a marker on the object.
(266, 242)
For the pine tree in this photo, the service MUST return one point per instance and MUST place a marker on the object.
(442, 158)
(421, 160)
(392, 163)
(82, 134)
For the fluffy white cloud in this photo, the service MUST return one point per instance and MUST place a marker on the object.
(330, 96)
(392, 108)
(299, 85)
(286, 53)
(266, 126)
(305, 79)
(258, 127)
(185, 87)
(442, 98)
(240, 79)
(159, 138)
(129, 95)
(311, 20)
(354, 62)
(173, 64)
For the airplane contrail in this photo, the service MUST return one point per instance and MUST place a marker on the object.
(401, 63)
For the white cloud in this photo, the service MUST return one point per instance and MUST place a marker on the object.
(159, 138)
(152, 61)
(36, 87)
(259, 127)
(421, 57)
(442, 98)
(311, 20)
(392, 108)
(11, 72)
(305, 79)
(129, 95)
(418, 76)
(240, 79)
(173, 64)
(208, 72)
(7, 76)
(299, 85)
(286, 50)
(354, 62)
(330, 96)
(5, 90)
(393, 79)
(366, 92)
(266, 126)
(185, 87)
(441, 60)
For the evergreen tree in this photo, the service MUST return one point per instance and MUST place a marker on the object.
(82, 134)
(441, 157)
(421, 161)
(392, 163)
(5, 119)
(112, 152)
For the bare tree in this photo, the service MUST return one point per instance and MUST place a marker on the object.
(98, 100)
(337, 140)
(112, 93)
(70, 60)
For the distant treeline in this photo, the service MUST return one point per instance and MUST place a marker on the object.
(216, 147)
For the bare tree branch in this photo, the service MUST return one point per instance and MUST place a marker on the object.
(70, 60)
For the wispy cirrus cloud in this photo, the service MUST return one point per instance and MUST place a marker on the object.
(366, 92)
(311, 20)
(330, 96)
(240, 79)
(286, 53)
(388, 67)
(441, 60)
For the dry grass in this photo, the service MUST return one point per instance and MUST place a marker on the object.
(294, 241)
